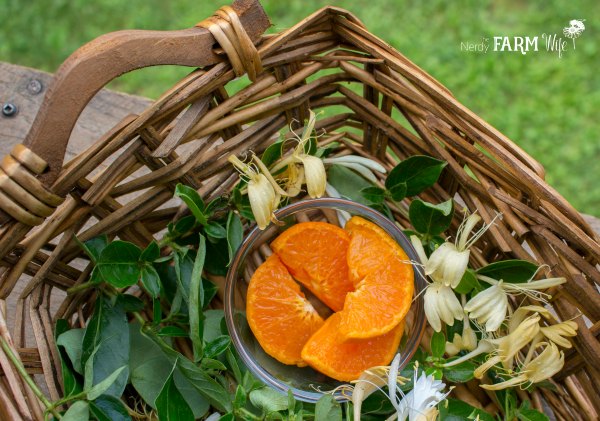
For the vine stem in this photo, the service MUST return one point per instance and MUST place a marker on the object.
(80, 287)
(25, 376)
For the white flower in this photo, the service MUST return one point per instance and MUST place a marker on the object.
(420, 404)
(263, 191)
(343, 216)
(549, 362)
(489, 307)
(448, 263)
(466, 341)
(441, 304)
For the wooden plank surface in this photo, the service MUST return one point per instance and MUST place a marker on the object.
(25, 88)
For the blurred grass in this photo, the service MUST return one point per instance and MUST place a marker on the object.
(549, 106)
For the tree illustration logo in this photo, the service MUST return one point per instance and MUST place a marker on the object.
(574, 30)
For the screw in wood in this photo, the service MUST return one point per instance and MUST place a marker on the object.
(9, 109)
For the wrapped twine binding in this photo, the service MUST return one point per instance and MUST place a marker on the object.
(123, 184)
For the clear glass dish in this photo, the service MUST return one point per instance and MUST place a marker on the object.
(305, 383)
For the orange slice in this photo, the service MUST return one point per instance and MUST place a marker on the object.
(316, 255)
(384, 282)
(344, 360)
(279, 315)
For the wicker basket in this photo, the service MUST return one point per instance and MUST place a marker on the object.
(122, 185)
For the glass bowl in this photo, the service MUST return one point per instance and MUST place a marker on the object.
(305, 383)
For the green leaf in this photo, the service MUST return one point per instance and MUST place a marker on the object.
(170, 404)
(193, 201)
(417, 172)
(109, 408)
(94, 246)
(184, 225)
(79, 411)
(328, 409)
(268, 400)
(215, 230)
(455, 410)
(70, 383)
(210, 364)
(430, 219)
(217, 346)
(438, 344)
(467, 283)
(375, 195)
(173, 331)
(150, 253)
(234, 366)
(460, 373)
(200, 380)
(227, 417)
(272, 153)
(131, 303)
(348, 183)
(103, 386)
(210, 290)
(106, 345)
(150, 280)
(513, 271)
(531, 415)
(398, 192)
(235, 234)
(196, 299)
(240, 397)
(150, 370)
(118, 263)
(72, 342)
(217, 257)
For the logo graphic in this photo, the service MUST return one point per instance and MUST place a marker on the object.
(575, 29)
(524, 44)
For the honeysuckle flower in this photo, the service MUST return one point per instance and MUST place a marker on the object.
(420, 404)
(549, 362)
(466, 341)
(374, 379)
(489, 307)
(263, 191)
(559, 332)
(441, 304)
(313, 170)
(504, 349)
(363, 166)
(448, 263)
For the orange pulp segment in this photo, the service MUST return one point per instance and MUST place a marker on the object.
(279, 315)
(329, 353)
(384, 280)
(316, 255)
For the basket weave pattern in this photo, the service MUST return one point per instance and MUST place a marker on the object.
(379, 105)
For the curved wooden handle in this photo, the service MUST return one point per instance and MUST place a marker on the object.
(95, 64)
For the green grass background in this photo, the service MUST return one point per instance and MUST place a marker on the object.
(549, 106)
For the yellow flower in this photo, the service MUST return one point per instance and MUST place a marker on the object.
(441, 304)
(503, 349)
(466, 341)
(549, 362)
(559, 332)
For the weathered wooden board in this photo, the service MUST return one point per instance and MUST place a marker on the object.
(25, 87)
